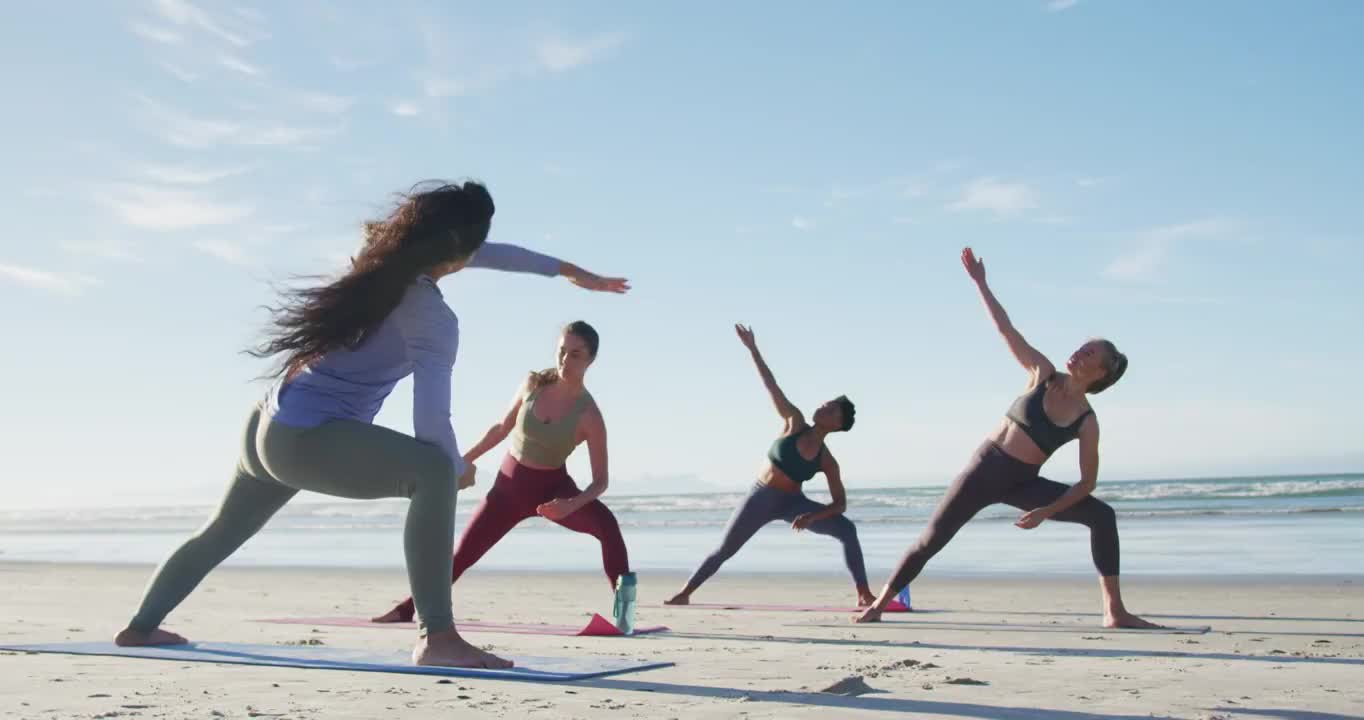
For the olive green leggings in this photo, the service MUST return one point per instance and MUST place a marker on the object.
(344, 458)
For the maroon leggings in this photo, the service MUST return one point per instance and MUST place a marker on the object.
(514, 496)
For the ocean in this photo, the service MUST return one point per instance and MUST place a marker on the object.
(1225, 526)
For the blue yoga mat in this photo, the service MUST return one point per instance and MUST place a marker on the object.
(534, 669)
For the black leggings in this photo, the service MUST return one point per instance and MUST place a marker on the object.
(994, 476)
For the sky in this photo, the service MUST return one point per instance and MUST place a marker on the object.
(1177, 177)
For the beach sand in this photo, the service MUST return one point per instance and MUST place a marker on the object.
(1014, 647)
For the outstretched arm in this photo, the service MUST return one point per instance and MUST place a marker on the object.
(592, 428)
(1027, 356)
(1089, 478)
(514, 258)
(839, 497)
(499, 432)
(789, 412)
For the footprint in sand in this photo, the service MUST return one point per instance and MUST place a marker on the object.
(964, 681)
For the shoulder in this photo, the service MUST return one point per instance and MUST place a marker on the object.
(590, 407)
(422, 314)
(1089, 426)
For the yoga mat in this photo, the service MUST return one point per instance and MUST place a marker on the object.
(598, 626)
(893, 607)
(530, 668)
(1086, 629)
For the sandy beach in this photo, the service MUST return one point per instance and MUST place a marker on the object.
(981, 648)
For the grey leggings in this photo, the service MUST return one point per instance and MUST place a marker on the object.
(344, 458)
(994, 476)
(765, 504)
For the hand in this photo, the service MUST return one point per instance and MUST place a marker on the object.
(556, 509)
(592, 281)
(467, 479)
(803, 521)
(974, 267)
(746, 337)
(1032, 518)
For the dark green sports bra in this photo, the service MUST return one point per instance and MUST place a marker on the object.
(785, 454)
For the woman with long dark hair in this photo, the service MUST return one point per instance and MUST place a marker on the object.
(551, 414)
(346, 344)
(1051, 412)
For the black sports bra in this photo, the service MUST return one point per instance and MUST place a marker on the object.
(1030, 413)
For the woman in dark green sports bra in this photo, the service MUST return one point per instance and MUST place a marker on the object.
(795, 457)
(1006, 467)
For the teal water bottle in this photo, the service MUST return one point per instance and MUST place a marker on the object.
(625, 603)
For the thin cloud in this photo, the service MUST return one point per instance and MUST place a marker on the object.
(183, 175)
(1152, 249)
(104, 248)
(185, 130)
(232, 62)
(801, 223)
(992, 195)
(156, 33)
(186, 14)
(406, 109)
(325, 103)
(60, 283)
(1060, 5)
(152, 208)
(180, 73)
(561, 54)
(505, 59)
(229, 252)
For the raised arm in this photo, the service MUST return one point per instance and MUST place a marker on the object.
(789, 412)
(1089, 478)
(1027, 356)
(514, 258)
(592, 429)
(838, 496)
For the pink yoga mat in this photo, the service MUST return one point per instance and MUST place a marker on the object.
(895, 606)
(597, 626)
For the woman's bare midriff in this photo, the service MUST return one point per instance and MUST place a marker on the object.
(773, 477)
(1016, 443)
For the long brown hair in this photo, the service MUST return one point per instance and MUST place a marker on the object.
(578, 329)
(439, 224)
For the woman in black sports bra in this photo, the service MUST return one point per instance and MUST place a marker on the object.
(1052, 412)
(794, 458)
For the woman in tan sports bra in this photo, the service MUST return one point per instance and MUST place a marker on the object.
(551, 415)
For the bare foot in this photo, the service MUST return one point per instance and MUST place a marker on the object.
(1124, 619)
(137, 638)
(865, 598)
(392, 616)
(870, 615)
(448, 649)
(678, 599)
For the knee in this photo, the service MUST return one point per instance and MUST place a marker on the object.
(1102, 516)
(435, 473)
(844, 530)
